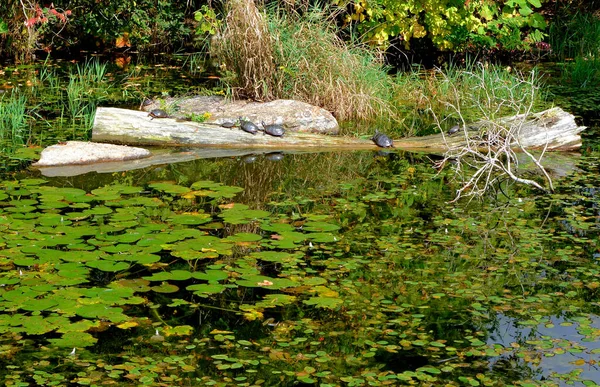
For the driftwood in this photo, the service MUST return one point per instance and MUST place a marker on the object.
(554, 129)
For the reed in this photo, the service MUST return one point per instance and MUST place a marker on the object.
(14, 127)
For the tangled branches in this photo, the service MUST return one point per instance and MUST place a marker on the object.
(488, 154)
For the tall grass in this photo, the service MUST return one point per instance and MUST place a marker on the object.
(467, 92)
(318, 67)
(284, 55)
(582, 72)
(245, 46)
(575, 36)
(13, 119)
(84, 92)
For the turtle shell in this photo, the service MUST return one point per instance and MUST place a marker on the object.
(248, 126)
(274, 129)
(228, 124)
(454, 129)
(158, 113)
(382, 140)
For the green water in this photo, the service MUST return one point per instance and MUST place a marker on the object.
(320, 269)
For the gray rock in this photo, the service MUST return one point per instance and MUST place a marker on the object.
(295, 116)
(80, 152)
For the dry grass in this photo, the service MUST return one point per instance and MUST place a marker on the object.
(299, 57)
(319, 68)
(245, 47)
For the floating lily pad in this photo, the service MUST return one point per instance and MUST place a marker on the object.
(211, 275)
(174, 275)
(108, 265)
(165, 288)
(170, 188)
(190, 219)
(204, 289)
(324, 302)
(215, 190)
(74, 340)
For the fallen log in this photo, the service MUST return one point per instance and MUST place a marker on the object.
(553, 129)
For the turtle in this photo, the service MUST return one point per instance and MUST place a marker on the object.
(228, 124)
(248, 126)
(158, 113)
(453, 130)
(382, 140)
(273, 129)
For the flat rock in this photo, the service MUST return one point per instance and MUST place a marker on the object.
(81, 152)
(295, 116)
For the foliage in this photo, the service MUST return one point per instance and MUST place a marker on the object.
(147, 25)
(28, 27)
(572, 36)
(449, 24)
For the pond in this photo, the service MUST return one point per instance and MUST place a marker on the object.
(325, 269)
(328, 269)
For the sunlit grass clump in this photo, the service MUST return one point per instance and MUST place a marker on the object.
(285, 55)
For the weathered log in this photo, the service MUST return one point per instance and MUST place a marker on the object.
(553, 128)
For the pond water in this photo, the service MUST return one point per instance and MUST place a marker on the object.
(318, 269)
(328, 269)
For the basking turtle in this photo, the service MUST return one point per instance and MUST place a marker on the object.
(273, 129)
(228, 124)
(248, 126)
(146, 102)
(382, 140)
(158, 113)
(453, 130)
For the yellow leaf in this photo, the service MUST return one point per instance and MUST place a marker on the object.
(127, 325)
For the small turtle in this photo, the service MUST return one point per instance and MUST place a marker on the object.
(273, 129)
(228, 124)
(248, 126)
(382, 140)
(158, 113)
(453, 130)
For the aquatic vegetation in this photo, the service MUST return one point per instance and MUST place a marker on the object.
(14, 128)
(572, 36)
(371, 280)
(581, 73)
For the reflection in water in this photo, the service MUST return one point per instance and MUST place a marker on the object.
(558, 335)
(275, 156)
